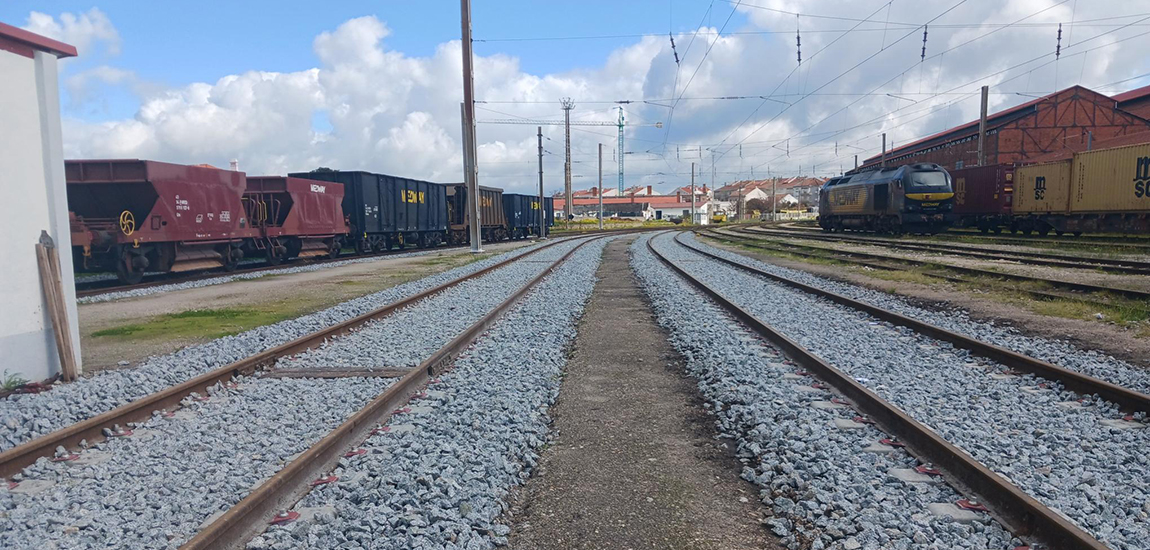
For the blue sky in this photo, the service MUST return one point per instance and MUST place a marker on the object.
(288, 86)
(178, 43)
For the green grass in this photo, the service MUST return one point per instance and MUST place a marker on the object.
(200, 323)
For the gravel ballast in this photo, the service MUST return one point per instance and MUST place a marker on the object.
(155, 488)
(25, 416)
(1058, 352)
(1068, 455)
(824, 490)
(438, 478)
(161, 483)
(406, 337)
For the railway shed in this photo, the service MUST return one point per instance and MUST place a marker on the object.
(32, 153)
(1074, 118)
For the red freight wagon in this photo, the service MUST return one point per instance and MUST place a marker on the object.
(142, 216)
(296, 217)
(982, 196)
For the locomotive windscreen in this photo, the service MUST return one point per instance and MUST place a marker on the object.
(928, 181)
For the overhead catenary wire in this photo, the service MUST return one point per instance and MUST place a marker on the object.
(996, 73)
(909, 96)
(939, 55)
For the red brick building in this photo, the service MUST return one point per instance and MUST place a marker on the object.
(1064, 121)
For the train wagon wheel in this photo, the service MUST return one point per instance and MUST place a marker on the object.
(126, 272)
(275, 252)
(362, 247)
(231, 257)
(335, 249)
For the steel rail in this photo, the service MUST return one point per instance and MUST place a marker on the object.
(844, 256)
(17, 458)
(1022, 513)
(1133, 267)
(1081, 241)
(251, 515)
(173, 279)
(1069, 285)
(1125, 398)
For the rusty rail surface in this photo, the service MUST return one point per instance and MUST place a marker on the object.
(251, 515)
(17, 458)
(1019, 511)
(1124, 292)
(1073, 380)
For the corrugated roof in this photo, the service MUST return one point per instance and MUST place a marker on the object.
(1136, 93)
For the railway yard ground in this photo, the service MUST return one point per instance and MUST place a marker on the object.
(731, 387)
(119, 333)
(1116, 325)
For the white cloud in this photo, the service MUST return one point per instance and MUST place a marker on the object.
(399, 114)
(82, 30)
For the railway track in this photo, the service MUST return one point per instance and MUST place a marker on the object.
(1132, 245)
(1107, 265)
(880, 261)
(105, 286)
(955, 446)
(381, 325)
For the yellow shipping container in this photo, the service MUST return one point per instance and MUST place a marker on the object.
(1042, 188)
(1112, 180)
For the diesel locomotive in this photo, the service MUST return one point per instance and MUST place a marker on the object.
(913, 198)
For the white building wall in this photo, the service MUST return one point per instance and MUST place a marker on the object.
(32, 199)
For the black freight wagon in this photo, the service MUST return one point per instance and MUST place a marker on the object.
(494, 223)
(522, 212)
(549, 211)
(388, 211)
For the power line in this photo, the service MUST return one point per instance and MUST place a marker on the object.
(939, 55)
(1020, 75)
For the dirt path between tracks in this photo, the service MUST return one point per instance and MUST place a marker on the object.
(634, 464)
(135, 328)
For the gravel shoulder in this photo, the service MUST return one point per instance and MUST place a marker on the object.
(133, 329)
(1113, 340)
(634, 463)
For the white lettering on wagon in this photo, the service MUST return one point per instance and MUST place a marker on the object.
(318, 188)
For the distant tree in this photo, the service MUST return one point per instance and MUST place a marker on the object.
(762, 205)
(323, 169)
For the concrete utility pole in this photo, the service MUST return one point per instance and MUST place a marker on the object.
(470, 160)
(620, 144)
(982, 127)
(692, 193)
(600, 193)
(570, 206)
(542, 209)
(884, 149)
(774, 200)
